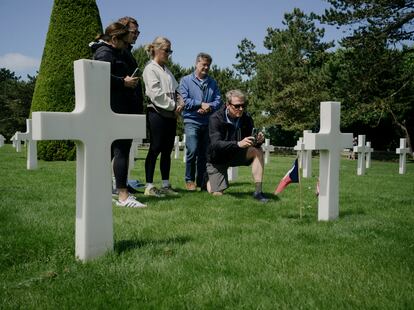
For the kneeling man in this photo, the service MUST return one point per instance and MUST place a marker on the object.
(232, 144)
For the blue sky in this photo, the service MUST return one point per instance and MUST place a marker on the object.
(215, 26)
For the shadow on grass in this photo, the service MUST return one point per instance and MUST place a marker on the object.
(249, 195)
(122, 246)
(351, 212)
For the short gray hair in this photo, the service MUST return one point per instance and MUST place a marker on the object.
(204, 56)
(235, 93)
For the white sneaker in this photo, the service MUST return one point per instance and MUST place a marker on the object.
(130, 202)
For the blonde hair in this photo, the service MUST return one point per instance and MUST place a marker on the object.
(158, 43)
(235, 93)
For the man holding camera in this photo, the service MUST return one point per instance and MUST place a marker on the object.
(233, 143)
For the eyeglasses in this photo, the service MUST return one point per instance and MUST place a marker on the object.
(168, 51)
(238, 106)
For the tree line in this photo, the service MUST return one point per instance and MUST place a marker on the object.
(370, 73)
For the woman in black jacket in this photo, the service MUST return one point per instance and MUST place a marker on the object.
(109, 47)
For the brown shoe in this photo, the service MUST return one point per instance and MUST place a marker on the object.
(190, 186)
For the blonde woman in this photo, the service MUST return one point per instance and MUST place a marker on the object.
(161, 88)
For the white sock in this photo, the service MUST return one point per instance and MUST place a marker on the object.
(166, 183)
(149, 185)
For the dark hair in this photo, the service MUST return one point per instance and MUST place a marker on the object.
(127, 20)
(115, 29)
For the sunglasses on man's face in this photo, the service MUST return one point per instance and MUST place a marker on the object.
(238, 106)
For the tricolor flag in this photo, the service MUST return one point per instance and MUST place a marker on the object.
(292, 176)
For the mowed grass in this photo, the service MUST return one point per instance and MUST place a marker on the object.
(201, 252)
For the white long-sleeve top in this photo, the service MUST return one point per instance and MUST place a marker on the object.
(160, 85)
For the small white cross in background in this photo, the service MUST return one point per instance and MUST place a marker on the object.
(403, 150)
(31, 145)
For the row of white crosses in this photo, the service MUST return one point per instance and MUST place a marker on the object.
(93, 126)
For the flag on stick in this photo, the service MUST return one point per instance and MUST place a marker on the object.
(292, 176)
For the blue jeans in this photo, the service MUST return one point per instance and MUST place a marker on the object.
(196, 142)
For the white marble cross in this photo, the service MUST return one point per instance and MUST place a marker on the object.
(299, 148)
(403, 150)
(307, 160)
(360, 149)
(267, 148)
(330, 141)
(368, 151)
(182, 143)
(232, 173)
(2, 140)
(93, 126)
(31, 145)
(17, 144)
(176, 147)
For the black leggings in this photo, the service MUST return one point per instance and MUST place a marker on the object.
(120, 155)
(162, 134)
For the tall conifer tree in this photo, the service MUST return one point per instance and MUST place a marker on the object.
(73, 24)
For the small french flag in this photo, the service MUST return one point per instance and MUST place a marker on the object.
(292, 176)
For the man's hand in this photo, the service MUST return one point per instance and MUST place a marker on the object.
(246, 142)
(205, 108)
(130, 82)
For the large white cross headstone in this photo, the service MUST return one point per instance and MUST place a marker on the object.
(31, 145)
(360, 149)
(402, 150)
(267, 148)
(93, 126)
(330, 141)
(368, 151)
(2, 140)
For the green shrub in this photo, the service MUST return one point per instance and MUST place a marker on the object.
(73, 24)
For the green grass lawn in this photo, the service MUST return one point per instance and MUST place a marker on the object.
(201, 252)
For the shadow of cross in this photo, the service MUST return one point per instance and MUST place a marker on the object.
(31, 145)
(93, 126)
(330, 141)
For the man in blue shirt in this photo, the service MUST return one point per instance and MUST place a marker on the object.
(201, 97)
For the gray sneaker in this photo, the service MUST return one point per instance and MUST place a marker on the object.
(168, 191)
(154, 192)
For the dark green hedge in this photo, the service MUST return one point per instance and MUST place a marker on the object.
(73, 24)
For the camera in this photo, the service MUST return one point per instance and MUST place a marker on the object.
(254, 135)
